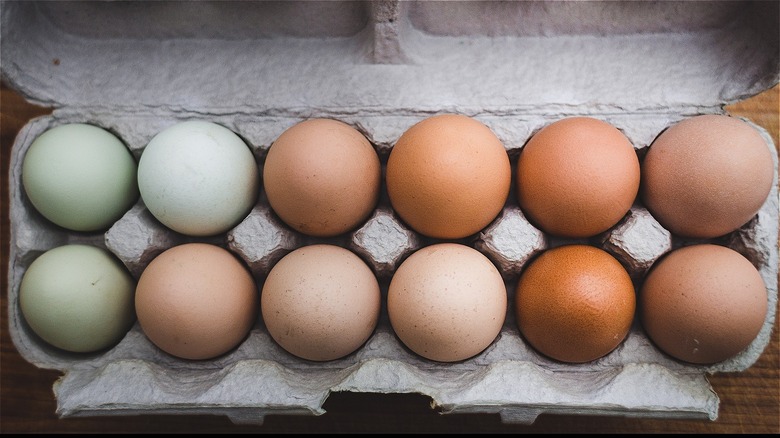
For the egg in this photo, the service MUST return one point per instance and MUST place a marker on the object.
(448, 176)
(706, 176)
(321, 302)
(574, 303)
(198, 178)
(322, 177)
(447, 302)
(78, 298)
(577, 177)
(80, 177)
(196, 301)
(703, 303)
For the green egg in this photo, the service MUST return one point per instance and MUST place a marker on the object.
(80, 177)
(78, 298)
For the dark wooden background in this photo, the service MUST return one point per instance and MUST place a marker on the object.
(749, 401)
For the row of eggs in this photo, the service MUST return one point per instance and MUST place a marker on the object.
(447, 177)
(446, 302)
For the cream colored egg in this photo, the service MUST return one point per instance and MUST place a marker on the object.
(447, 302)
(321, 302)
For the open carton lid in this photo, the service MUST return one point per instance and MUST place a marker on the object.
(390, 56)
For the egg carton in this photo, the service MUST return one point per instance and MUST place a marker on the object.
(510, 66)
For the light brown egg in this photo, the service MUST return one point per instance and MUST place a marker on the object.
(447, 302)
(321, 302)
(574, 303)
(196, 301)
(703, 303)
(706, 176)
(322, 177)
(577, 177)
(448, 176)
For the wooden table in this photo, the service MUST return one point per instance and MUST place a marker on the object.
(749, 401)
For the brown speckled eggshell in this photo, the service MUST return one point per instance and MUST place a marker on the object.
(196, 301)
(577, 177)
(448, 176)
(703, 303)
(321, 302)
(322, 177)
(575, 303)
(706, 176)
(447, 302)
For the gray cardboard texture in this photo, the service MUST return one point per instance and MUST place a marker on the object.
(260, 67)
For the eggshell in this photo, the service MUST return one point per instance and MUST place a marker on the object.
(322, 177)
(574, 303)
(447, 302)
(196, 301)
(321, 302)
(703, 303)
(80, 177)
(78, 298)
(198, 178)
(577, 177)
(706, 176)
(448, 176)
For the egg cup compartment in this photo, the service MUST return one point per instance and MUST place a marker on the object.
(398, 47)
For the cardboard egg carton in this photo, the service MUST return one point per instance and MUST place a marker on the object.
(258, 68)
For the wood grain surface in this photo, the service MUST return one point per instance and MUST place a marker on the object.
(749, 400)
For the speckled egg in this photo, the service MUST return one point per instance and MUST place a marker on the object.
(321, 302)
(447, 302)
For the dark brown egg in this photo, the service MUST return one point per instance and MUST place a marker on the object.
(574, 303)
